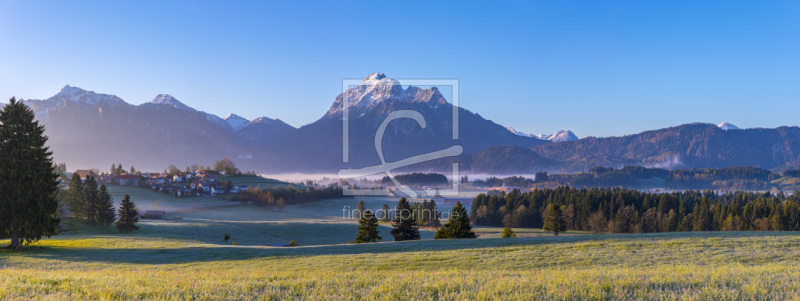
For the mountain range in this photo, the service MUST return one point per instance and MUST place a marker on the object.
(89, 129)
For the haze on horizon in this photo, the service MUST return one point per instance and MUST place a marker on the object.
(595, 68)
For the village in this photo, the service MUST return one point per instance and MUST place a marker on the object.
(181, 184)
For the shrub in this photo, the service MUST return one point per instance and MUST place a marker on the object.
(507, 233)
(293, 243)
(227, 237)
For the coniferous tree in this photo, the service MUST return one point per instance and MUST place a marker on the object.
(457, 225)
(28, 181)
(368, 228)
(90, 197)
(360, 209)
(404, 224)
(554, 221)
(113, 169)
(105, 206)
(128, 216)
(434, 214)
(385, 214)
(75, 200)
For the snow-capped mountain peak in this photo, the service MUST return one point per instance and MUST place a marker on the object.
(561, 136)
(236, 122)
(728, 126)
(518, 133)
(375, 76)
(168, 100)
(75, 94)
(376, 88)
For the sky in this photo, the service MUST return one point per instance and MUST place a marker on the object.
(599, 68)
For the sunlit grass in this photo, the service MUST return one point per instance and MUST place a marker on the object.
(712, 266)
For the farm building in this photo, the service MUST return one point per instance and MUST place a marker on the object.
(152, 214)
(85, 174)
(128, 180)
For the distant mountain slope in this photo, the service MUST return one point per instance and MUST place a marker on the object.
(687, 146)
(89, 129)
(318, 146)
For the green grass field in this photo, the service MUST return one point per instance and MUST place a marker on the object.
(706, 266)
(185, 257)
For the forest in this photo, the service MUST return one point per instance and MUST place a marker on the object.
(620, 210)
(278, 198)
(636, 177)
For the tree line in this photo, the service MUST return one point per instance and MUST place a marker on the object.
(93, 203)
(280, 197)
(729, 178)
(620, 210)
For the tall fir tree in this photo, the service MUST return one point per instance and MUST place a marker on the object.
(368, 228)
(554, 220)
(113, 169)
(28, 181)
(128, 216)
(74, 198)
(457, 225)
(404, 225)
(360, 209)
(90, 197)
(105, 206)
(434, 213)
(385, 213)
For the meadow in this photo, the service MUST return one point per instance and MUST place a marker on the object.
(715, 266)
(185, 257)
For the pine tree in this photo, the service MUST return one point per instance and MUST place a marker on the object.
(404, 224)
(368, 229)
(554, 221)
(113, 169)
(28, 181)
(105, 206)
(360, 209)
(457, 225)
(75, 200)
(128, 216)
(90, 197)
(434, 214)
(385, 214)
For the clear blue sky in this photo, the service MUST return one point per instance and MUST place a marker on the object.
(599, 68)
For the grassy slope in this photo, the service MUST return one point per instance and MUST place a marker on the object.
(686, 265)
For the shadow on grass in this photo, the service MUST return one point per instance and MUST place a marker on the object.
(222, 252)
